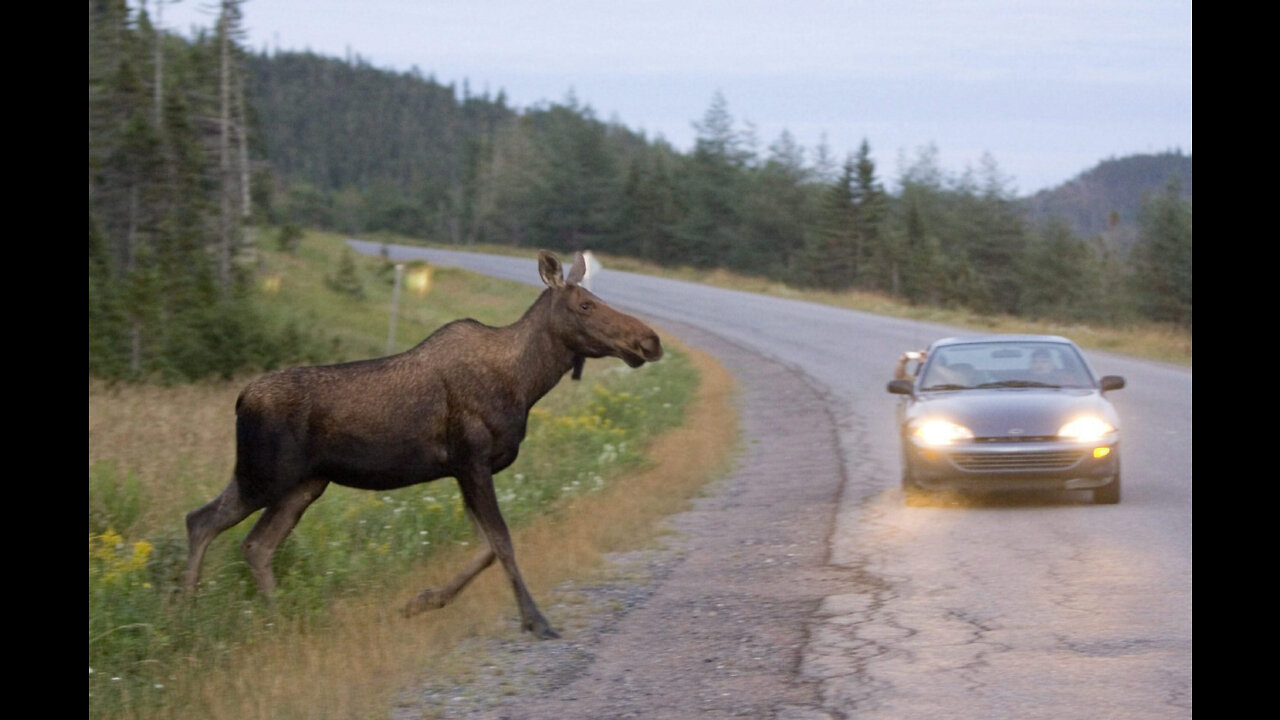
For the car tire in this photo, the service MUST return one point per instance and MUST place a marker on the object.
(913, 494)
(1108, 494)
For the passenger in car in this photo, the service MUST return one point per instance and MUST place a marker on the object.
(900, 369)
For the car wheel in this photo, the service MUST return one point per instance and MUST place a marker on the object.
(1108, 494)
(914, 495)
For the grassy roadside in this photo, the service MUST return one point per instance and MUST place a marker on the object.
(368, 654)
(604, 459)
(1149, 340)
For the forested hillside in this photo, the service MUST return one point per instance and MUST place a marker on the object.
(1107, 199)
(198, 149)
(362, 148)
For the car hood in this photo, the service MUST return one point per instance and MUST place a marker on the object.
(1001, 412)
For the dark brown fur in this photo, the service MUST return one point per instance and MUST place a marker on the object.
(454, 406)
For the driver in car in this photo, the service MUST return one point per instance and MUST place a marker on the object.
(1042, 370)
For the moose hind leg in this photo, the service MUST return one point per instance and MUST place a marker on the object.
(482, 502)
(206, 523)
(433, 598)
(274, 526)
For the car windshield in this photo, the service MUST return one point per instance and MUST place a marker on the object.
(1004, 364)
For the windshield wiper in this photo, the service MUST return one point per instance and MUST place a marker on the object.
(1018, 384)
(946, 386)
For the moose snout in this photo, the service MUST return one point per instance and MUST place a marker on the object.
(638, 350)
(651, 348)
(647, 348)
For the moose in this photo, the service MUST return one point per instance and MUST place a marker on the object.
(456, 405)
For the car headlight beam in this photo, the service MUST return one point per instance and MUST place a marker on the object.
(1086, 429)
(942, 432)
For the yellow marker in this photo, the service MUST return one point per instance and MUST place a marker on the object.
(420, 280)
(271, 283)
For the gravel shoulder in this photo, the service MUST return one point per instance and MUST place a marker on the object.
(714, 621)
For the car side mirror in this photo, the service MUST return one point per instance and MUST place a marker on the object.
(1111, 382)
(906, 387)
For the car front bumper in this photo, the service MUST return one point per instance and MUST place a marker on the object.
(1047, 465)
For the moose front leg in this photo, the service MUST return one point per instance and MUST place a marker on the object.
(482, 502)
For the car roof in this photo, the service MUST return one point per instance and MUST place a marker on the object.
(970, 339)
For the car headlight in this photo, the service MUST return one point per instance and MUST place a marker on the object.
(942, 432)
(1086, 429)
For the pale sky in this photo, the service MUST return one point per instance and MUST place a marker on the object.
(1047, 88)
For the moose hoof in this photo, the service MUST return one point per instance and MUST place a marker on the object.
(541, 629)
(425, 600)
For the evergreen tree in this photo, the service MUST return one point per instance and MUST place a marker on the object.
(833, 249)
(571, 198)
(712, 183)
(1062, 276)
(157, 307)
(1161, 259)
(924, 274)
(289, 237)
(992, 236)
(648, 207)
(502, 170)
(875, 265)
(346, 280)
(776, 209)
(848, 245)
(921, 269)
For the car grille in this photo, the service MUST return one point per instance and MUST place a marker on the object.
(1045, 460)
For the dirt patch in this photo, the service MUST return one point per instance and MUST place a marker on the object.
(711, 622)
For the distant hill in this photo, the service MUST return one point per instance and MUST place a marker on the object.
(1106, 200)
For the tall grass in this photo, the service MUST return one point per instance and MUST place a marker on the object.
(156, 453)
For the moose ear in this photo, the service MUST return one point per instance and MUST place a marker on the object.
(549, 269)
(578, 270)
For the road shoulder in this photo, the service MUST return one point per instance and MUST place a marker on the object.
(711, 623)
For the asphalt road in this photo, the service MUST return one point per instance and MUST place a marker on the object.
(1038, 606)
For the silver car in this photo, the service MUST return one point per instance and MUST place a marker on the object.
(1008, 412)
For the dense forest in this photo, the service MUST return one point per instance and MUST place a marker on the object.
(170, 214)
(194, 143)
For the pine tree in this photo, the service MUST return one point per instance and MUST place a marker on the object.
(712, 183)
(1062, 276)
(346, 280)
(648, 207)
(921, 264)
(925, 274)
(572, 193)
(833, 249)
(1161, 259)
(232, 144)
(993, 237)
(157, 305)
(875, 265)
(776, 209)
